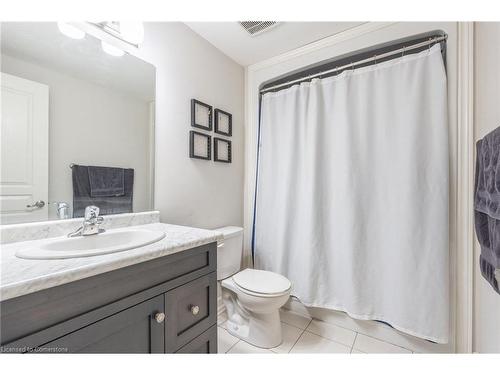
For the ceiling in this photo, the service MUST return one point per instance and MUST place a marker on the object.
(235, 42)
(43, 44)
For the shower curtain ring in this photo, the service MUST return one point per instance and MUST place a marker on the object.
(403, 51)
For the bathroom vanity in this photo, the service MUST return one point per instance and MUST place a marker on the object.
(160, 298)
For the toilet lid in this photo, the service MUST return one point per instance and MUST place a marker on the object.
(262, 282)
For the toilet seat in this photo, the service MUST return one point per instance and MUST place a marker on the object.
(261, 283)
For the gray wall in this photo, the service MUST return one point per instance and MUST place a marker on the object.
(189, 191)
(486, 118)
(90, 125)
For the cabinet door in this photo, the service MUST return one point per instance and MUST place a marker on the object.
(138, 329)
(191, 309)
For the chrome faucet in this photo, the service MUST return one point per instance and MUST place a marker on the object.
(90, 224)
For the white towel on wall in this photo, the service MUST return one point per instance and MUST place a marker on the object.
(352, 193)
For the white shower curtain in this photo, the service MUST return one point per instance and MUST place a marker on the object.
(352, 193)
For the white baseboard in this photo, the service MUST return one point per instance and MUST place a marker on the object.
(369, 328)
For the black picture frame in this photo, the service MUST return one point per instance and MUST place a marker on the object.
(216, 150)
(192, 152)
(230, 122)
(194, 122)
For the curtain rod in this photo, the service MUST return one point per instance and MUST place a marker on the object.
(360, 62)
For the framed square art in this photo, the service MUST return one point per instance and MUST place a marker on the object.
(201, 115)
(199, 145)
(222, 150)
(223, 122)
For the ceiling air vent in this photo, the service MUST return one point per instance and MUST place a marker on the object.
(257, 27)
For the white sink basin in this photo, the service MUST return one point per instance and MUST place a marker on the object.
(111, 241)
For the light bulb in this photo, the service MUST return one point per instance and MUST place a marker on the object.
(70, 30)
(112, 50)
(132, 31)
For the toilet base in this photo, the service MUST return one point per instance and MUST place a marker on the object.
(261, 330)
(253, 317)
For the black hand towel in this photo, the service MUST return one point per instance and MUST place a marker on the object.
(487, 205)
(106, 182)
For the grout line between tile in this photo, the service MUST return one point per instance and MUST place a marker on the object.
(298, 338)
(308, 324)
(354, 341)
(387, 342)
(324, 338)
(227, 351)
(327, 338)
(369, 335)
(296, 341)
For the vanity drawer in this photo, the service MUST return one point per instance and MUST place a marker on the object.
(203, 344)
(191, 309)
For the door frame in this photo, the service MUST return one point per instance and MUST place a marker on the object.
(465, 193)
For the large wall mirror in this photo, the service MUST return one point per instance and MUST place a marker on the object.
(77, 126)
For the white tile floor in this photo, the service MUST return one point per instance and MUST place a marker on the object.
(305, 335)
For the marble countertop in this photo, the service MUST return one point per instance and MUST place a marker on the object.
(22, 276)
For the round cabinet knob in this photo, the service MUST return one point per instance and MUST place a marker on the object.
(195, 310)
(159, 317)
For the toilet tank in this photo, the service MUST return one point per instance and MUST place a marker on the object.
(229, 252)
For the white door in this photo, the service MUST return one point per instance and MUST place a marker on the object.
(25, 150)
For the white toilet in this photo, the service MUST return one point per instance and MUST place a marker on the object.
(252, 297)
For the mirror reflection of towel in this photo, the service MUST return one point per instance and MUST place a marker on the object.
(102, 198)
(106, 182)
(487, 205)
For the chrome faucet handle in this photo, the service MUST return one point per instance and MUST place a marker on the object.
(90, 223)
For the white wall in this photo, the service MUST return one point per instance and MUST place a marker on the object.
(90, 125)
(189, 191)
(351, 40)
(486, 118)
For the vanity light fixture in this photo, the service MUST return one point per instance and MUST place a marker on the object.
(131, 32)
(70, 30)
(116, 36)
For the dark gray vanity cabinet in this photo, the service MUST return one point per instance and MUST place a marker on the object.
(165, 305)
